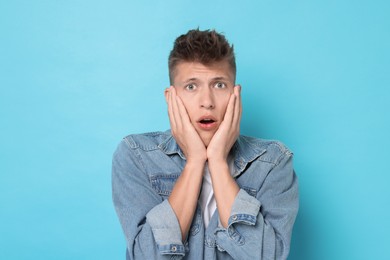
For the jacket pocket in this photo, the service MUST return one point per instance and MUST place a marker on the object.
(163, 184)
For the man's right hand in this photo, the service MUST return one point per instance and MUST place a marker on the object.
(182, 129)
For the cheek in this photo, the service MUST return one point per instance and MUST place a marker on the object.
(189, 106)
(191, 114)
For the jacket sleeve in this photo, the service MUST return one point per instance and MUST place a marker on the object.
(260, 227)
(148, 222)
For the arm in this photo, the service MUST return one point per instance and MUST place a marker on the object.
(185, 193)
(224, 186)
(184, 196)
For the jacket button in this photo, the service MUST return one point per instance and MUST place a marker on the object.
(234, 217)
(174, 248)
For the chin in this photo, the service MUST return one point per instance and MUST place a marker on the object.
(207, 139)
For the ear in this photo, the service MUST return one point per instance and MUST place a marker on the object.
(166, 93)
(238, 89)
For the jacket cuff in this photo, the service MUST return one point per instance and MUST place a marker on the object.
(166, 229)
(245, 209)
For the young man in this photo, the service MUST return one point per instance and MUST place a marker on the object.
(200, 190)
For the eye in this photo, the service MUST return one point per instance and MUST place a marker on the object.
(190, 87)
(220, 85)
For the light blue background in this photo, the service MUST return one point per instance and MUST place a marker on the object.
(77, 76)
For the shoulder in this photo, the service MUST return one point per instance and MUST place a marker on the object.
(146, 141)
(271, 151)
(138, 145)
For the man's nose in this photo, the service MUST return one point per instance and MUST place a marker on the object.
(207, 99)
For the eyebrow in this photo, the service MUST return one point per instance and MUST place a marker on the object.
(213, 79)
(220, 78)
(190, 79)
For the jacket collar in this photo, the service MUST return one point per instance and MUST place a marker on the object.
(243, 151)
(169, 146)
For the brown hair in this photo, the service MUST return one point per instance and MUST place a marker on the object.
(205, 47)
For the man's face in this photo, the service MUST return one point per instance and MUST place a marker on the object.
(205, 91)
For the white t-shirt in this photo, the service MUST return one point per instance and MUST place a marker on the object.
(207, 199)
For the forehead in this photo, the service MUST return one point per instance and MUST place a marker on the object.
(196, 70)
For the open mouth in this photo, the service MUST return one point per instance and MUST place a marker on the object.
(207, 121)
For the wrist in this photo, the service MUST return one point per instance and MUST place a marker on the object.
(217, 161)
(196, 162)
(216, 157)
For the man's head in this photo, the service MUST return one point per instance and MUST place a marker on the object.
(205, 47)
(202, 70)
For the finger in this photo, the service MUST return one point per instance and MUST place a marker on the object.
(238, 105)
(183, 111)
(175, 109)
(228, 118)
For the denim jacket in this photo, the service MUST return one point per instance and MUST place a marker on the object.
(144, 171)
